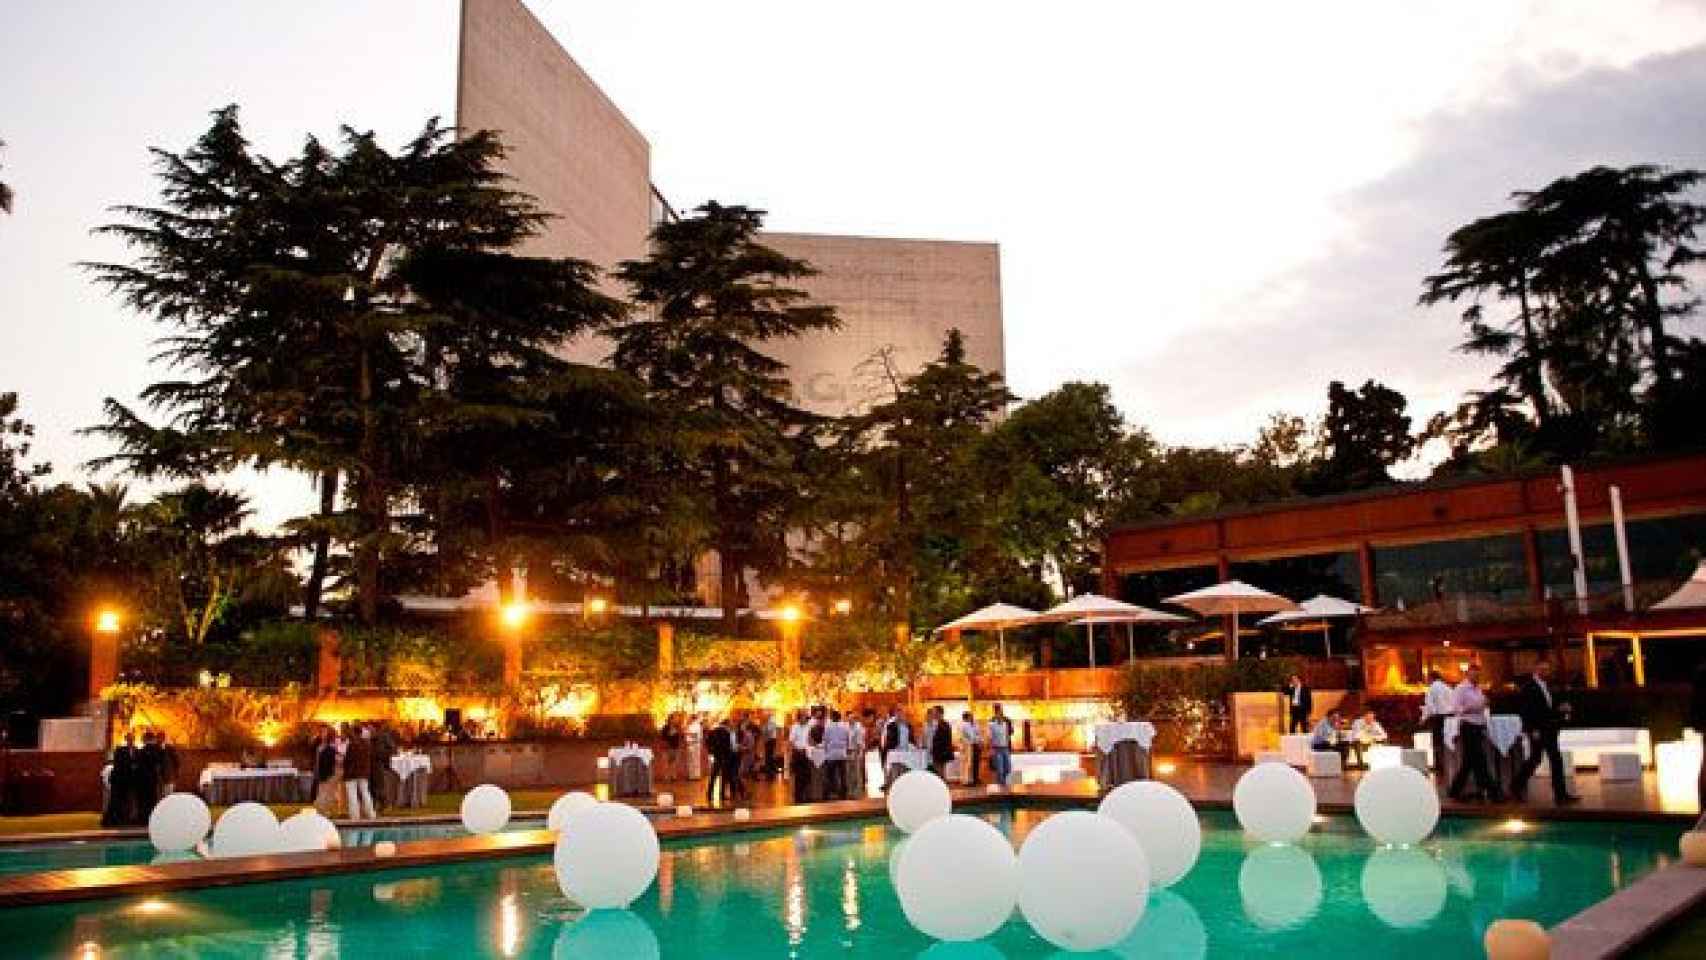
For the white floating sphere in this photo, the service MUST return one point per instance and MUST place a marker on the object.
(1083, 881)
(1280, 885)
(1516, 940)
(179, 822)
(245, 830)
(1170, 929)
(895, 854)
(569, 803)
(307, 831)
(607, 857)
(485, 809)
(607, 933)
(1163, 823)
(917, 798)
(959, 878)
(1274, 803)
(1397, 805)
(1403, 888)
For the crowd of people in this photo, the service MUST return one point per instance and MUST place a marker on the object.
(350, 761)
(823, 751)
(138, 777)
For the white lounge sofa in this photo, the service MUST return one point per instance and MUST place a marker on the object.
(1587, 743)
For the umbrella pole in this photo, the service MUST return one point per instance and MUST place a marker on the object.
(1327, 637)
(1232, 641)
(1130, 643)
(1001, 646)
(1090, 639)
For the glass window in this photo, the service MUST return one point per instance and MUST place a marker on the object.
(1458, 576)
(1663, 552)
(1299, 578)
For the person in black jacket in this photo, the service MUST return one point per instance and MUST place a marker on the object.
(1300, 701)
(720, 744)
(941, 743)
(121, 785)
(1542, 717)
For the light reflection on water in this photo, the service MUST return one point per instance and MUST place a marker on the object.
(827, 892)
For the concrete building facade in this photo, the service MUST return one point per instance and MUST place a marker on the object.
(572, 148)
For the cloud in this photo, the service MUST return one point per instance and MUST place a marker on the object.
(1350, 314)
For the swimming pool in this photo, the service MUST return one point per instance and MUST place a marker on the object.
(72, 854)
(824, 891)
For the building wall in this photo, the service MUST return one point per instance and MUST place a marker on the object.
(570, 147)
(904, 295)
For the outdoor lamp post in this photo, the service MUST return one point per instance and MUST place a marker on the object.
(514, 617)
(103, 650)
(593, 606)
(790, 618)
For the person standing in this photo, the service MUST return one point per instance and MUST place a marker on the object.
(358, 770)
(1470, 704)
(384, 749)
(941, 744)
(150, 775)
(836, 743)
(1436, 706)
(1542, 717)
(772, 733)
(973, 744)
(326, 773)
(669, 748)
(121, 785)
(897, 736)
(856, 739)
(168, 765)
(1300, 702)
(1000, 746)
(799, 761)
(720, 744)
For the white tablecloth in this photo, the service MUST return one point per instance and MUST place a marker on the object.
(619, 754)
(1108, 734)
(1503, 729)
(405, 764)
(208, 776)
(910, 759)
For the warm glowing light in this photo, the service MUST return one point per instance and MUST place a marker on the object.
(509, 926)
(153, 907)
(844, 606)
(107, 620)
(514, 615)
(789, 613)
(1165, 768)
(596, 605)
(90, 950)
(1514, 825)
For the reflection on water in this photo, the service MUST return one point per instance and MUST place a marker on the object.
(606, 935)
(1171, 929)
(1279, 885)
(975, 950)
(1404, 888)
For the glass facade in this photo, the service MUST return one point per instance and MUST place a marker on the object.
(1302, 577)
(1463, 578)
(1663, 552)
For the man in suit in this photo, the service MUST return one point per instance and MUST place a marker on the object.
(1542, 716)
(720, 744)
(1301, 700)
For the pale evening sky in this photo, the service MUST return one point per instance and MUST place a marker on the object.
(1214, 207)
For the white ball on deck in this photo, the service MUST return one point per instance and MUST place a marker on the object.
(607, 856)
(485, 809)
(1083, 881)
(1162, 822)
(307, 831)
(958, 879)
(1274, 803)
(1404, 888)
(917, 798)
(245, 830)
(179, 822)
(1397, 805)
(1279, 885)
(566, 805)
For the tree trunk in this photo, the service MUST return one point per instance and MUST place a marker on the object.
(370, 502)
(1533, 377)
(1654, 320)
(322, 547)
(729, 565)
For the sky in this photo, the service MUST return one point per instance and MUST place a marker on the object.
(1214, 207)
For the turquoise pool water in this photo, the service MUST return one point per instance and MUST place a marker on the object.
(70, 855)
(825, 892)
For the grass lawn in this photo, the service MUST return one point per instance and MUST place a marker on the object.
(437, 804)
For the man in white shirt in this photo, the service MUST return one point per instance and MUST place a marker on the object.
(1472, 710)
(799, 765)
(1366, 731)
(1000, 746)
(972, 742)
(1436, 706)
(835, 747)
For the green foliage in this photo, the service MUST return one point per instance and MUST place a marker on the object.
(1197, 690)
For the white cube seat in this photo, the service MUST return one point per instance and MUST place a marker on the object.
(1269, 756)
(1619, 765)
(1587, 743)
(1295, 747)
(1411, 757)
(1326, 763)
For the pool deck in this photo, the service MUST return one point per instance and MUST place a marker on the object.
(1604, 930)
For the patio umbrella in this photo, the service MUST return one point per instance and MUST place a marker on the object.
(998, 617)
(1147, 616)
(1323, 608)
(1087, 605)
(1232, 597)
(1689, 595)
